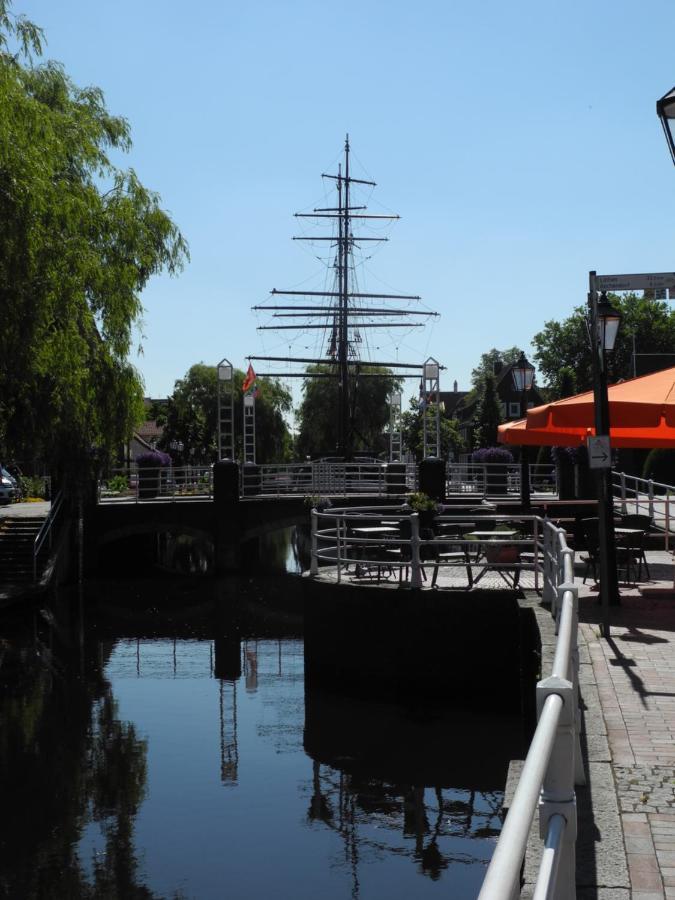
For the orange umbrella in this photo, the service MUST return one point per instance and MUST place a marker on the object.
(641, 414)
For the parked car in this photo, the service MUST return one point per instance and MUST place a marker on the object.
(9, 488)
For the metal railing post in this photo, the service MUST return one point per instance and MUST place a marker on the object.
(622, 476)
(535, 531)
(667, 519)
(314, 564)
(650, 485)
(557, 793)
(415, 563)
(338, 538)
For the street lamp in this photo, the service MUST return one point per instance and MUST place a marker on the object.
(603, 323)
(665, 110)
(523, 377)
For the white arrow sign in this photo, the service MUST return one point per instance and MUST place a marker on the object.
(599, 452)
(650, 281)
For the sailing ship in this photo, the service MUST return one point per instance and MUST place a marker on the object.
(344, 314)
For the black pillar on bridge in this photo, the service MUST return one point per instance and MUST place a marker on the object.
(432, 477)
(226, 501)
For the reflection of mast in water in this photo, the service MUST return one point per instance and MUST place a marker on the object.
(229, 748)
(251, 667)
(227, 668)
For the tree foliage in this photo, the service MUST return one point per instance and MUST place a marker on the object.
(488, 414)
(79, 239)
(412, 427)
(192, 417)
(564, 346)
(318, 412)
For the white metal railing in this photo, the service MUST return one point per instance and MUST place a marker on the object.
(394, 537)
(490, 479)
(334, 478)
(643, 496)
(554, 764)
(45, 536)
(149, 483)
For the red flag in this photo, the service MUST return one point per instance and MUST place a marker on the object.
(249, 381)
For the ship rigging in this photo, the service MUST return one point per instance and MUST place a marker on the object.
(346, 311)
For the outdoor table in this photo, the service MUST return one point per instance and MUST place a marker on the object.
(370, 531)
(495, 538)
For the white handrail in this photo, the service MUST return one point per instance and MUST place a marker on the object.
(553, 764)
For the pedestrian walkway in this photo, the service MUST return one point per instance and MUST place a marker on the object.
(634, 671)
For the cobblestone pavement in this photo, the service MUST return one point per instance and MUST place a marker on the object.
(635, 674)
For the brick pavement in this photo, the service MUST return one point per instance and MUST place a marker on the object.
(635, 676)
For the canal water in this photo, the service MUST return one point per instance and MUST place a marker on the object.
(159, 740)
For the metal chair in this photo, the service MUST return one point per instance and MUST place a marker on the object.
(452, 553)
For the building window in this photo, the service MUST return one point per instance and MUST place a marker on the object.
(530, 404)
(514, 409)
(503, 409)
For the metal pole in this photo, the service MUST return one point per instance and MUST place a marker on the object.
(524, 461)
(609, 587)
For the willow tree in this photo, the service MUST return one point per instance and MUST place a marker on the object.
(79, 239)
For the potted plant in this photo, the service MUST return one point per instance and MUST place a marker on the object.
(425, 506)
(497, 460)
(150, 465)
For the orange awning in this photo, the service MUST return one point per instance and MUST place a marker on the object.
(641, 414)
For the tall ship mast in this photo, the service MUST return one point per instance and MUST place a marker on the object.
(346, 311)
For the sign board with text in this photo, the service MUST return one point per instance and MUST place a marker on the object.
(599, 452)
(650, 281)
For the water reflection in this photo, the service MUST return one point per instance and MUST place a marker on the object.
(169, 761)
(66, 760)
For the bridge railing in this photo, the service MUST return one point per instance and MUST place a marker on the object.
(490, 479)
(165, 483)
(554, 764)
(325, 478)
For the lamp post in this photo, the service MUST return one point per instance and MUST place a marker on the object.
(523, 377)
(665, 110)
(603, 322)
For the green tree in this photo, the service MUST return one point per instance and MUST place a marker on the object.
(192, 416)
(488, 414)
(318, 412)
(79, 239)
(563, 346)
(412, 427)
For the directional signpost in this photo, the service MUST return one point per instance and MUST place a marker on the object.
(599, 453)
(648, 281)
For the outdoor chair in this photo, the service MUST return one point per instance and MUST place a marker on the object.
(591, 539)
(452, 552)
(630, 554)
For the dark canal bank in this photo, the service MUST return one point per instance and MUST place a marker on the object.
(160, 739)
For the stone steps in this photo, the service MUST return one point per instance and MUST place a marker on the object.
(17, 538)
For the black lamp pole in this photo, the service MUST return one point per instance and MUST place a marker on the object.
(603, 327)
(665, 110)
(523, 376)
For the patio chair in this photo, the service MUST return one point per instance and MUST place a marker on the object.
(630, 553)
(591, 539)
(453, 553)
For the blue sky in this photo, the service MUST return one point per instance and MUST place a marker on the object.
(518, 142)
